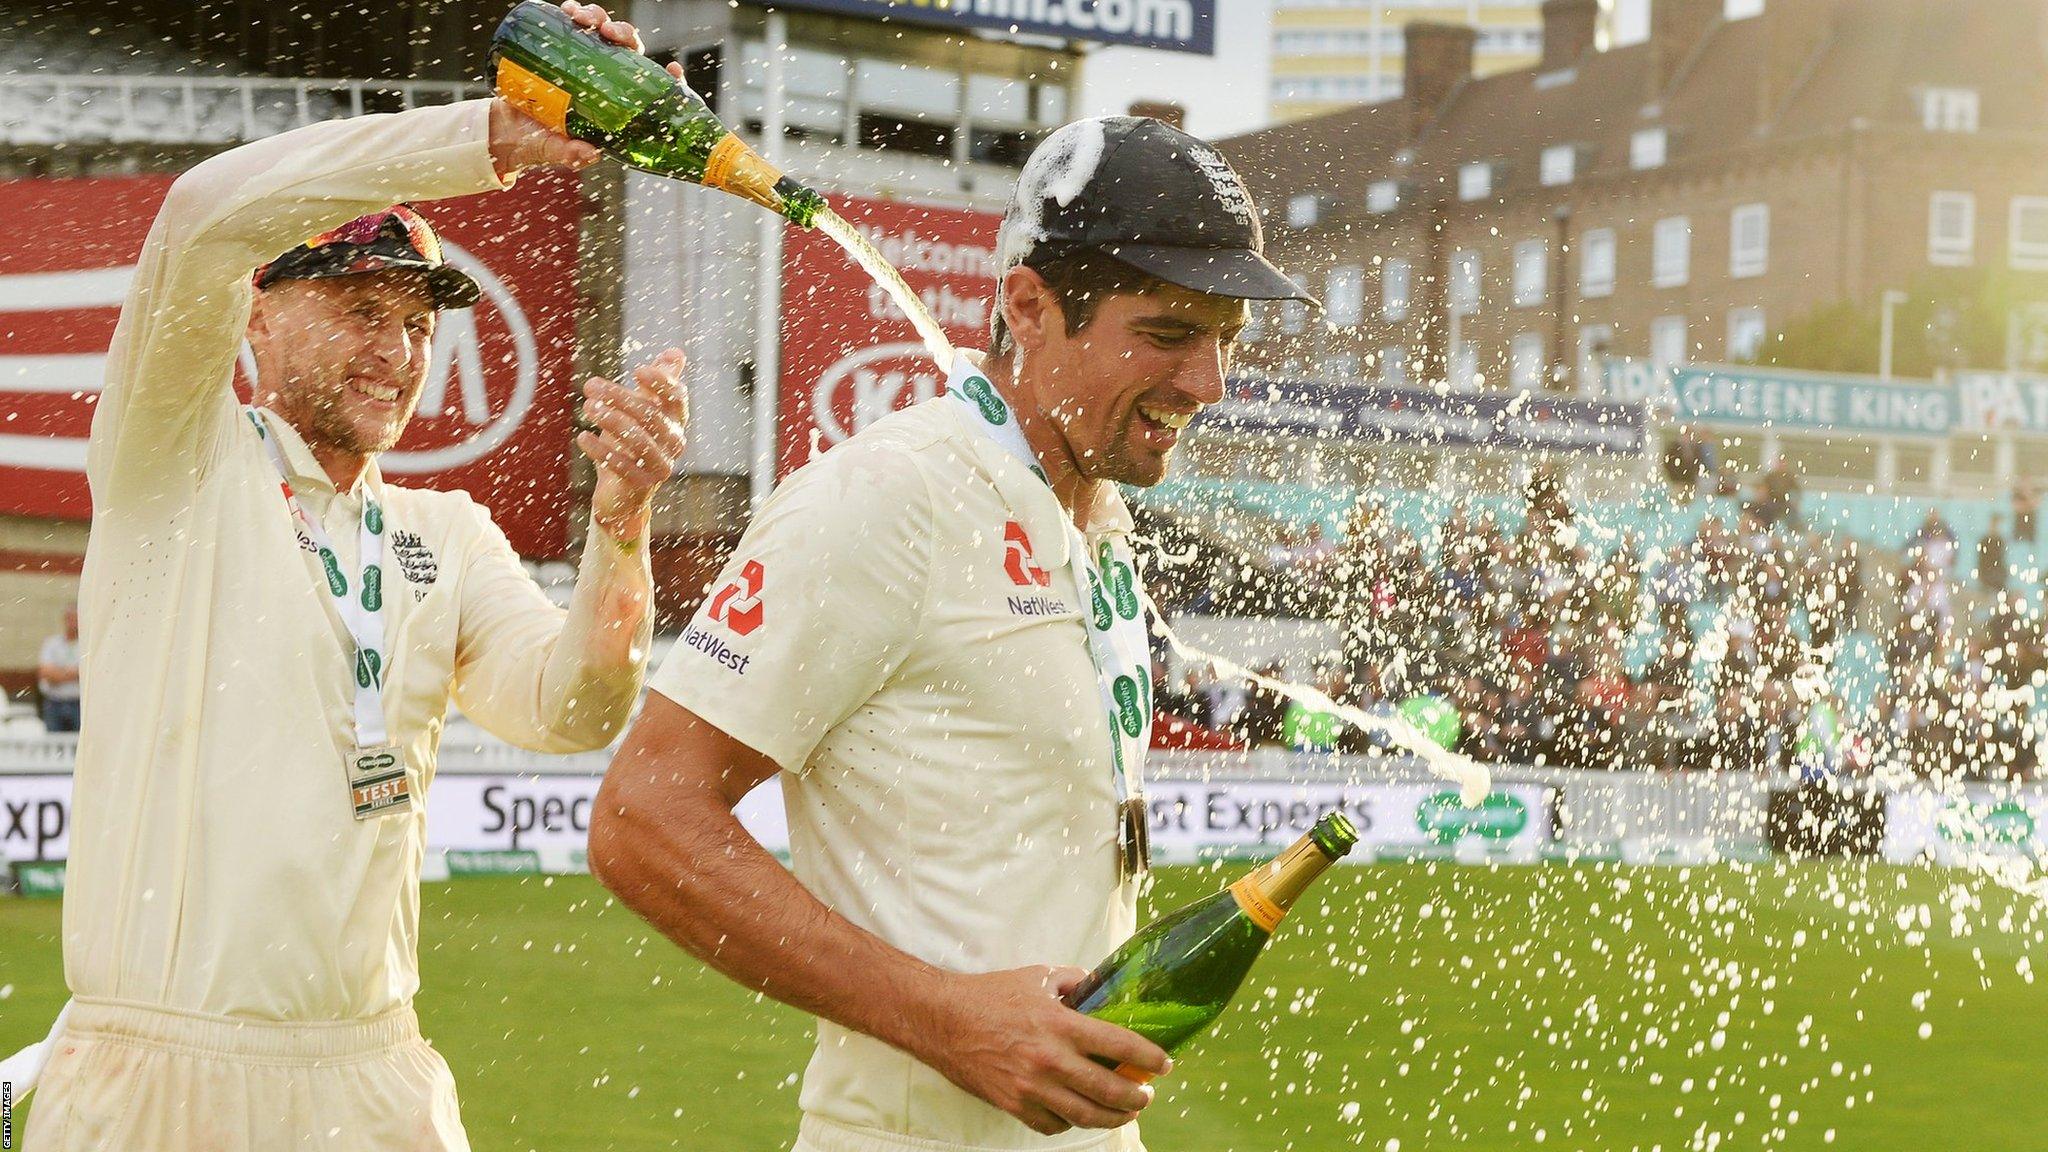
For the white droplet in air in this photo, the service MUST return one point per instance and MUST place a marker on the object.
(1808, 682)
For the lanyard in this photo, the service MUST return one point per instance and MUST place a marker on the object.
(362, 613)
(1106, 583)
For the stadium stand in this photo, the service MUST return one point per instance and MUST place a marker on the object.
(1659, 631)
(60, 84)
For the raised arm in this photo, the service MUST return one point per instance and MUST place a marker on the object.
(167, 395)
(167, 398)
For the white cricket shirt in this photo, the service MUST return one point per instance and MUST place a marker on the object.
(216, 866)
(883, 634)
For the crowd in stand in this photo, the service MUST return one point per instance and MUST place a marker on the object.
(1528, 628)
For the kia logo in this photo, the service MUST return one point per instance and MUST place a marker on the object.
(457, 347)
(868, 385)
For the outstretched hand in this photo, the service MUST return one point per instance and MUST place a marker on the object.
(638, 439)
(518, 141)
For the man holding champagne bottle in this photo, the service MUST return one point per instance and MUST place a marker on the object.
(934, 633)
(264, 689)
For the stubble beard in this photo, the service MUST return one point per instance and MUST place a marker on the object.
(328, 426)
(1122, 464)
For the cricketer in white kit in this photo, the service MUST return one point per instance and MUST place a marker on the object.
(273, 635)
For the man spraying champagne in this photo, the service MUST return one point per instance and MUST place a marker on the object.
(264, 691)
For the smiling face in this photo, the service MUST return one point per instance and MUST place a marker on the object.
(343, 358)
(1122, 387)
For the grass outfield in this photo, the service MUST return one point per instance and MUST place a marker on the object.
(1440, 1007)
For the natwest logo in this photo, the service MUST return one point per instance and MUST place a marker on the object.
(1023, 570)
(738, 605)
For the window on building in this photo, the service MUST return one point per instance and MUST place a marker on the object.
(1382, 196)
(2030, 233)
(1509, 41)
(1745, 334)
(1525, 361)
(1475, 181)
(1293, 317)
(1559, 161)
(1952, 229)
(913, 109)
(1464, 365)
(912, 89)
(1596, 263)
(1749, 240)
(1336, 42)
(1303, 210)
(1647, 148)
(1532, 273)
(1667, 342)
(1352, 88)
(1464, 282)
(1629, 23)
(1595, 342)
(1671, 252)
(1948, 109)
(1394, 366)
(1344, 295)
(1394, 289)
(1742, 9)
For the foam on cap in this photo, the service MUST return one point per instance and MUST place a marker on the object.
(1060, 169)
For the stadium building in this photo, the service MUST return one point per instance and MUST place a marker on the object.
(1328, 54)
(1775, 185)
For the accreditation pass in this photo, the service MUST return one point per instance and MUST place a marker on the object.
(377, 782)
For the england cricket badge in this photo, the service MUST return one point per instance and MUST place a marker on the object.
(377, 784)
(1134, 837)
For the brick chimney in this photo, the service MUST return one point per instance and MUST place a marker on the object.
(1174, 115)
(1568, 27)
(1436, 60)
(1676, 29)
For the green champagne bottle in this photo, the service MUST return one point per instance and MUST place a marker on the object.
(630, 107)
(1170, 981)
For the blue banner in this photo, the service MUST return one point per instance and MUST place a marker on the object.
(1793, 401)
(1172, 25)
(1508, 421)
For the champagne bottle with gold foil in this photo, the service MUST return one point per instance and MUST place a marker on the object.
(630, 107)
(1170, 981)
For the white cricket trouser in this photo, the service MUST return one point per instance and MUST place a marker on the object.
(148, 1079)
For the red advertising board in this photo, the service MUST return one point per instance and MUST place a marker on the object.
(494, 418)
(849, 356)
